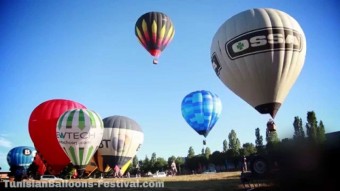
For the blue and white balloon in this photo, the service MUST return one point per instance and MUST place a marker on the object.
(201, 110)
(22, 156)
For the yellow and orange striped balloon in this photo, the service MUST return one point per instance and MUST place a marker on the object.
(154, 31)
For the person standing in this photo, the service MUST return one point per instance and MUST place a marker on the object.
(117, 171)
(173, 168)
(244, 164)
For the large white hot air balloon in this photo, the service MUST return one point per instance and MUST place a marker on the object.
(258, 54)
(79, 132)
(122, 138)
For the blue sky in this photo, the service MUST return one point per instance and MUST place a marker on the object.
(87, 51)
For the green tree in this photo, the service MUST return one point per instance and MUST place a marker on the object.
(234, 143)
(135, 161)
(191, 152)
(225, 145)
(272, 141)
(259, 141)
(146, 164)
(311, 126)
(272, 137)
(180, 163)
(153, 159)
(207, 152)
(217, 158)
(248, 149)
(160, 164)
(171, 159)
(299, 133)
(321, 132)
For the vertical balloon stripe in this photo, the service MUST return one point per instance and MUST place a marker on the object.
(90, 153)
(81, 155)
(169, 36)
(161, 36)
(60, 121)
(145, 30)
(70, 119)
(81, 120)
(99, 121)
(160, 21)
(172, 36)
(216, 110)
(92, 119)
(154, 31)
(72, 154)
(140, 37)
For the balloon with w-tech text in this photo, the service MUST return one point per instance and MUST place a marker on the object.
(79, 132)
(42, 129)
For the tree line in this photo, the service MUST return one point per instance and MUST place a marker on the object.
(231, 154)
(232, 149)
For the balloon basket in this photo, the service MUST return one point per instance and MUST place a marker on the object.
(155, 61)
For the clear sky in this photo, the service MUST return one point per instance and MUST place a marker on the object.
(87, 51)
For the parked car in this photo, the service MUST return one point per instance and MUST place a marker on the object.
(159, 174)
(49, 177)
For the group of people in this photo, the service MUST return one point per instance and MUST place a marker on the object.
(118, 173)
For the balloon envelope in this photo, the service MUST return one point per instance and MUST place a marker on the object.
(42, 129)
(91, 167)
(40, 164)
(201, 110)
(121, 141)
(258, 54)
(79, 132)
(22, 156)
(154, 31)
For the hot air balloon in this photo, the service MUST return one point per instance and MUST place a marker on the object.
(79, 132)
(41, 167)
(42, 129)
(201, 110)
(154, 31)
(91, 167)
(20, 158)
(258, 54)
(121, 141)
(125, 166)
(98, 159)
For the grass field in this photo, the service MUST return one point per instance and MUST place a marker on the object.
(201, 182)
